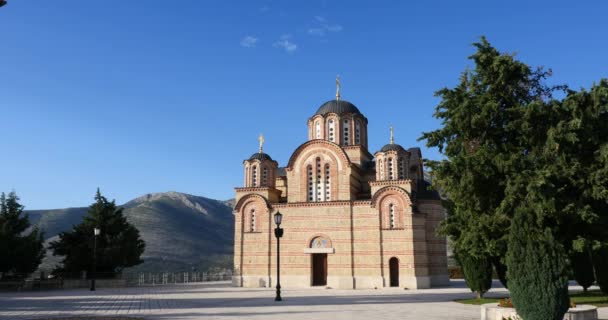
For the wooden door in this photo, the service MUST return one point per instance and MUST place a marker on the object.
(319, 269)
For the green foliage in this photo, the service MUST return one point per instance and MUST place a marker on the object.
(477, 273)
(21, 251)
(501, 271)
(582, 268)
(600, 264)
(537, 269)
(118, 246)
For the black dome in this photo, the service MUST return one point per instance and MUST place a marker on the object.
(260, 156)
(392, 147)
(337, 106)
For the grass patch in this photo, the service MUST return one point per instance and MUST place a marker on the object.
(595, 297)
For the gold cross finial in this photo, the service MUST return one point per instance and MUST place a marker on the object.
(392, 135)
(261, 140)
(338, 87)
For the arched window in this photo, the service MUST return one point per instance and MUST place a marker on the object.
(391, 212)
(265, 177)
(358, 133)
(255, 175)
(310, 183)
(401, 168)
(332, 137)
(319, 182)
(327, 183)
(317, 130)
(390, 169)
(346, 134)
(252, 226)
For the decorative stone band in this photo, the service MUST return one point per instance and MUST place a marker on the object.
(319, 250)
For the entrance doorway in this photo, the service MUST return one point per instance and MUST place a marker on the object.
(319, 269)
(393, 265)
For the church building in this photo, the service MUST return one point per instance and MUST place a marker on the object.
(351, 219)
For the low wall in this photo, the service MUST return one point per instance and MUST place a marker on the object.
(99, 283)
(491, 311)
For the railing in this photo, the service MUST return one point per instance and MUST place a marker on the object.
(42, 281)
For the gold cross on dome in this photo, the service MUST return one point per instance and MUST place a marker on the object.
(261, 140)
(338, 87)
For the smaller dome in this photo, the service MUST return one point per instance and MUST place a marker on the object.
(337, 106)
(392, 147)
(260, 156)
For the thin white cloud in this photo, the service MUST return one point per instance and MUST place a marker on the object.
(249, 42)
(286, 44)
(321, 27)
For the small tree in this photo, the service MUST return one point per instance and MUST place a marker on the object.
(21, 251)
(477, 273)
(600, 264)
(537, 270)
(118, 246)
(582, 268)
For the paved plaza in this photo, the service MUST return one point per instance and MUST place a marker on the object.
(218, 300)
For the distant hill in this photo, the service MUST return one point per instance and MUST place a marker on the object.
(181, 231)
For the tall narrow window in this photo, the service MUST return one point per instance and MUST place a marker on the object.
(390, 169)
(401, 168)
(255, 175)
(381, 169)
(317, 130)
(358, 133)
(252, 220)
(327, 183)
(332, 130)
(265, 177)
(319, 191)
(346, 132)
(310, 183)
(391, 211)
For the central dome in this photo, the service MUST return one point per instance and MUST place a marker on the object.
(338, 107)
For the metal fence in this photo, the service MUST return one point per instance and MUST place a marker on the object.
(44, 281)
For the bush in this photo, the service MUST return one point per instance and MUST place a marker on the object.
(477, 273)
(582, 269)
(537, 270)
(600, 264)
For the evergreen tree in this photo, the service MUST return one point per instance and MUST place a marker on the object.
(582, 269)
(537, 270)
(501, 271)
(21, 251)
(600, 264)
(477, 273)
(118, 246)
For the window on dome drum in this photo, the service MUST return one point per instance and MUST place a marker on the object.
(381, 170)
(255, 175)
(390, 169)
(252, 226)
(319, 194)
(357, 133)
(310, 184)
(401, 168)
(346, 137)
(265, 177)
(331, 130)
(327, 183)
(317, 130)
(391, 210)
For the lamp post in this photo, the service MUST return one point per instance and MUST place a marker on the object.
(278, 232)
(96, 232)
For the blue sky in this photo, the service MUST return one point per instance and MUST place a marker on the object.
(150, 96)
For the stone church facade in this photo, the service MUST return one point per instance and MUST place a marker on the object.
(351, 219)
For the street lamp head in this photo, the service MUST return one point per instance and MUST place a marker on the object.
(277, 218)
(96, 231)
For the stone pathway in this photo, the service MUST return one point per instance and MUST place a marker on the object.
(219, 300)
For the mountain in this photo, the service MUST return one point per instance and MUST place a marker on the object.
(181, 231)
